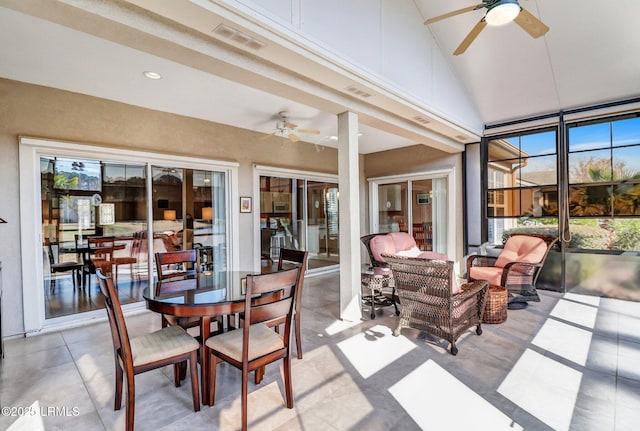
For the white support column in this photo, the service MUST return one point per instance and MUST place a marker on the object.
(348, 178)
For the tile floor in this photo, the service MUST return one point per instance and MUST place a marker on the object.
(569, 362)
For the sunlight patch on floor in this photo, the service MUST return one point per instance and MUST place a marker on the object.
(564, 340)
(585, 299)
(580, 314)
(374, 349)
(339, 326)
(29, 419)
(544, 388)
(436, 400)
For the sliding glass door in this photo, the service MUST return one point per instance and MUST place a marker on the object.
(418, 205)
(299, 213)
(85, 197)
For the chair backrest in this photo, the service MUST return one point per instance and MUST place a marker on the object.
(298, 258)
(375, 259)
(102, 246)
(528, 248)
(281, 288)
(186, 262)
(50, 255)
(423, 276)
(119, 333)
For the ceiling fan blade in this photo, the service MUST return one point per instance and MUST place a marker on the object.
(454, 13)
(290, 125)
(531, 24)
(293, 137)
(265, 137)
(308, 131)
(475, 31)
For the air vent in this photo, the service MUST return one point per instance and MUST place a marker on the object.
(421, 119)
(461, 137)
(238, 37)
(358, 92)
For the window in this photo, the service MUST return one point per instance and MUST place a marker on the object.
(522, 182)
(604, 183)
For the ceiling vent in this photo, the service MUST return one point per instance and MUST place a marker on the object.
(238, 37)
(422, 120)
(461, 138)
(358, 92)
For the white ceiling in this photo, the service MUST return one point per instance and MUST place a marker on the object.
(37, 51)
(588, 57)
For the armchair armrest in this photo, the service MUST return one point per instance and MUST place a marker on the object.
(523, 271)
(480, 260)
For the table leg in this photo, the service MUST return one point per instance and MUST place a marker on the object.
(205, 329)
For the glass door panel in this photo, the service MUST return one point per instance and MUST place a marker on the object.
(81, 197)
(189, 212)
(422, 214)
(323, 240)
(392, 207)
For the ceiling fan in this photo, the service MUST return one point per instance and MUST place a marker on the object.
(499, 12)
(288, 130)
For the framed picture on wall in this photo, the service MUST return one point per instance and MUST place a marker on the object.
(245, 204)
(423, 199)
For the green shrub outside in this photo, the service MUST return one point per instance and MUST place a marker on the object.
(586, 237)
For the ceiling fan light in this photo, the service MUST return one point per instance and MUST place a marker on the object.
(502, 13)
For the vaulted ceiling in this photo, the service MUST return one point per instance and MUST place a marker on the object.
(587, 57)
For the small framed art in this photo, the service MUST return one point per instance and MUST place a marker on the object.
(245, 204)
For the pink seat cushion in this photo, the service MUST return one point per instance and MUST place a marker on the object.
(492, 274)
(522, 248)
(381, 244)
(402, 240)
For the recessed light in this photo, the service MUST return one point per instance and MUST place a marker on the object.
(360, 133)
(333, 138)
(152, 75)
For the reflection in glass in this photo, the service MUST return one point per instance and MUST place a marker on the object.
(504, 149)
(626, 199)
(539, 202)
(590, 201)
(626, 163)
(590, 167)
(392, 207)
(538, 171)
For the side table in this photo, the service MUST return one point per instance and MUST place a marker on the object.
(495, 310)
(376, 279)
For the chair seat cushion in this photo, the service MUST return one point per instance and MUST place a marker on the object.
(262, 340)
(490, 273)
(167, 342)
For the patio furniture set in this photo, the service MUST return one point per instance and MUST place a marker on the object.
(433, 300)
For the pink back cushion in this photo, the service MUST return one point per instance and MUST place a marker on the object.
(381, 244)
(402, 240)
(522, 248)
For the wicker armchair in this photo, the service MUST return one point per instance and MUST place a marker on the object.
(516, 268)
(431, 301)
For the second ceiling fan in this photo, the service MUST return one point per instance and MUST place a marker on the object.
(288, 130)
(498, 12)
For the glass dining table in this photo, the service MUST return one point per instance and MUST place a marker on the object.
(205, 295)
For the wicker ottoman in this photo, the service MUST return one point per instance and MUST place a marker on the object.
(496, 307)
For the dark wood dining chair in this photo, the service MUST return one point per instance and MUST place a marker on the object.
(96, 254)
(131, 259)
(167, 346)
(256, 344)
(176, 265)
(56, 267)
(297, 258)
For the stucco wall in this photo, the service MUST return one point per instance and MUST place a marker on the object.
(36, 111)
